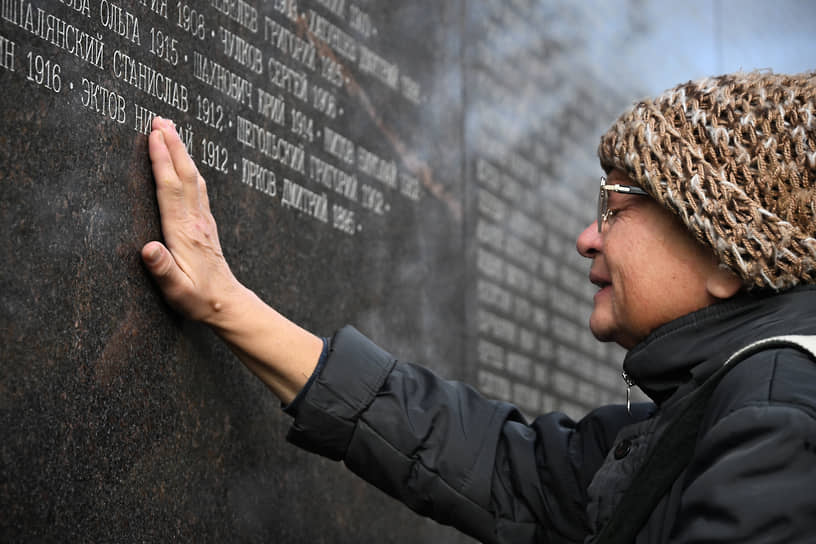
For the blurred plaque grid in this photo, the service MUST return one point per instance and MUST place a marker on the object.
(529, 113)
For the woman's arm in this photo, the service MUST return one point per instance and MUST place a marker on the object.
(195, 279)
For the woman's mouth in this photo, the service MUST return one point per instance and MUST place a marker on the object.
(600, 281)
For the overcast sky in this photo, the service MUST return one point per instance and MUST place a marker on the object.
(656, 44)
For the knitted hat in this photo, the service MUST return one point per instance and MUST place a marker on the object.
(734, 157)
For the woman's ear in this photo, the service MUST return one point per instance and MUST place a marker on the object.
(722, 283)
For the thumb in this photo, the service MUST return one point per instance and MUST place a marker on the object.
(161, 264)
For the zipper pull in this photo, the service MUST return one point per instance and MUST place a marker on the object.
(629, 384)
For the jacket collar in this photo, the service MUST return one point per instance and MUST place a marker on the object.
(682, 353)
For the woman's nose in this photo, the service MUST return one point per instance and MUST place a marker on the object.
(589, 242)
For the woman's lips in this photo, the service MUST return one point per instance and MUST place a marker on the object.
(602, 283)
(599, 280)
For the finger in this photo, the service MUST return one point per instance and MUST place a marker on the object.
(171, 279)
(168, 185)
(182, 162)
(181, 197)
(173, 207)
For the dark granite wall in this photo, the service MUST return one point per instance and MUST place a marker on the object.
(397, 165)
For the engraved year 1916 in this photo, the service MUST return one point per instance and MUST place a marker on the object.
(44, 72)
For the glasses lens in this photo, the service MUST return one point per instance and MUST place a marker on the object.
(602, 198)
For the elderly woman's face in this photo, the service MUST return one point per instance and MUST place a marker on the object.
(648, 268)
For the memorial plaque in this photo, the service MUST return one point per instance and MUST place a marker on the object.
(395, 165)
(317, 126)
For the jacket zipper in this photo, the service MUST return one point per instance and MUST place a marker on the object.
(629, 384)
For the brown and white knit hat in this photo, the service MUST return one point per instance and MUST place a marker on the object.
(734, 157)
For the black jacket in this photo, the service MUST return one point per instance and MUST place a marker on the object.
(450, 454)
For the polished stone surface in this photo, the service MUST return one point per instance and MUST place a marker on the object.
(122, 422)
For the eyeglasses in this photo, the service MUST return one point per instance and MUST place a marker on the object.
(603, 198)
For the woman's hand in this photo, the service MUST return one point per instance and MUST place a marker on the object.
(196, 280)
(190, 270)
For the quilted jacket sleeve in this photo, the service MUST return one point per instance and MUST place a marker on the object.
(449, 453)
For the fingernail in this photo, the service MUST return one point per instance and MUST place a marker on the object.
(154, 256)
